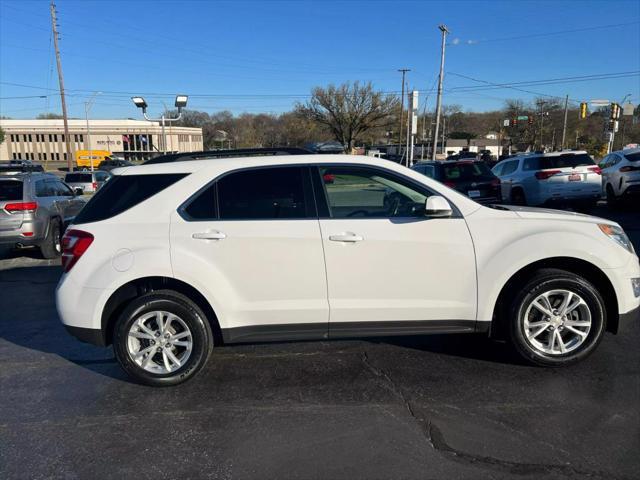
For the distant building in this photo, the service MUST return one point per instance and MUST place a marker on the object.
(476, 145)
(43, 140)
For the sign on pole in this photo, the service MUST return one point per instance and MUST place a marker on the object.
(505, 123)
(599, 103)
(628, 108)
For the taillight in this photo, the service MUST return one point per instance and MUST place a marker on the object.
(21, 207)
(545, 174)
(495, 182)
(329, 178)
(629, 168)
(74, 244)
(450, 184)
(596, 169)
(95, 185)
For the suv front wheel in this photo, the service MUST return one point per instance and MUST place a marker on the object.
(162, 338)
(557, 319)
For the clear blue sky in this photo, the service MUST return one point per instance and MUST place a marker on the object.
(257, 56)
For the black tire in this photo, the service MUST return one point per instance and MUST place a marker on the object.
(542, 281)
(518, 197)
(612, 200)
(179, 305)
(51, 246)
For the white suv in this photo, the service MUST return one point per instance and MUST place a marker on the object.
(550, 178)
(168, 260)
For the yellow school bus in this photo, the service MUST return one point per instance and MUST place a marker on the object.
(84, 157)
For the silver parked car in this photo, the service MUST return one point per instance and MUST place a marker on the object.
(89, 182)
(548, 178)
(35, 208)
(621, 175)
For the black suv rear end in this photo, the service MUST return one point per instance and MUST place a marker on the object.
(471, 177)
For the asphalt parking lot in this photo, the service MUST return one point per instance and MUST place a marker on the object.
(430, 407)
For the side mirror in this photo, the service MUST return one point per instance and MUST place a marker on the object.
(79, 191)
(437, 207)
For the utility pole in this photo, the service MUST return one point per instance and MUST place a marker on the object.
(404, 72)
(564, 127)
(65, 119)
(443, 29)
(409, 113)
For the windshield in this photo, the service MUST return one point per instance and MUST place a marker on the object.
(569, 160)
(10, 190)
(466, 171)
(78, 178)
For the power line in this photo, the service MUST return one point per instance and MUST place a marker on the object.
(545, 34)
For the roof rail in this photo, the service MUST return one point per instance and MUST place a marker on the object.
(239, 152)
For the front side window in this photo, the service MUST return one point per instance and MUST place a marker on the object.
(360, 192)
(510, 167)
(265, 193)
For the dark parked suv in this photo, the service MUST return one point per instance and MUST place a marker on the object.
(111, 163)
(471, 177)
(34, 210)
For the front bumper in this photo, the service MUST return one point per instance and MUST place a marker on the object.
(625, 319)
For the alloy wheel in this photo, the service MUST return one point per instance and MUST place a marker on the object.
(159, 342)
(557, 322)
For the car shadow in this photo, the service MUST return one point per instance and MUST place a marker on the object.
(29, 319)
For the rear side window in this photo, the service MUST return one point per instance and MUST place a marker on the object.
(632, 157)
(78, 178)
(10, 190)
(122, 193)
(265, 193)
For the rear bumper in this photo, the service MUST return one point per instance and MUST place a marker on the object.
(93, 336)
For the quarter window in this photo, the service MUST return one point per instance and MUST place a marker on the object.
(265, 193)
(357, 192)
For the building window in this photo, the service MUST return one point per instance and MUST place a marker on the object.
(81, 137)
(15, 157)
(55, 138)
(32, 156)
(57, 156)
(44, 155)
(62, 137)
(30, 141)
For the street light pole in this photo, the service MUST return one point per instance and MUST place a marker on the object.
(87, 106)
(445, 31)
(180, 103)
(404, 72)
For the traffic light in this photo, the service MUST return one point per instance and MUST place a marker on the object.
(583, 110)
(514, 121)
(615, 111)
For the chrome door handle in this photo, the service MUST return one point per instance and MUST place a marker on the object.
(346, 237)
(209, 236)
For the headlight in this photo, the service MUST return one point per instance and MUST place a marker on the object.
(617, 234)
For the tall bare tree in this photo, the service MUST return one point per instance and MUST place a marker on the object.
(350, 110)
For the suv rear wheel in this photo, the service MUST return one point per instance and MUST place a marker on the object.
(51, 246)
(162, 338)
(557, 319)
